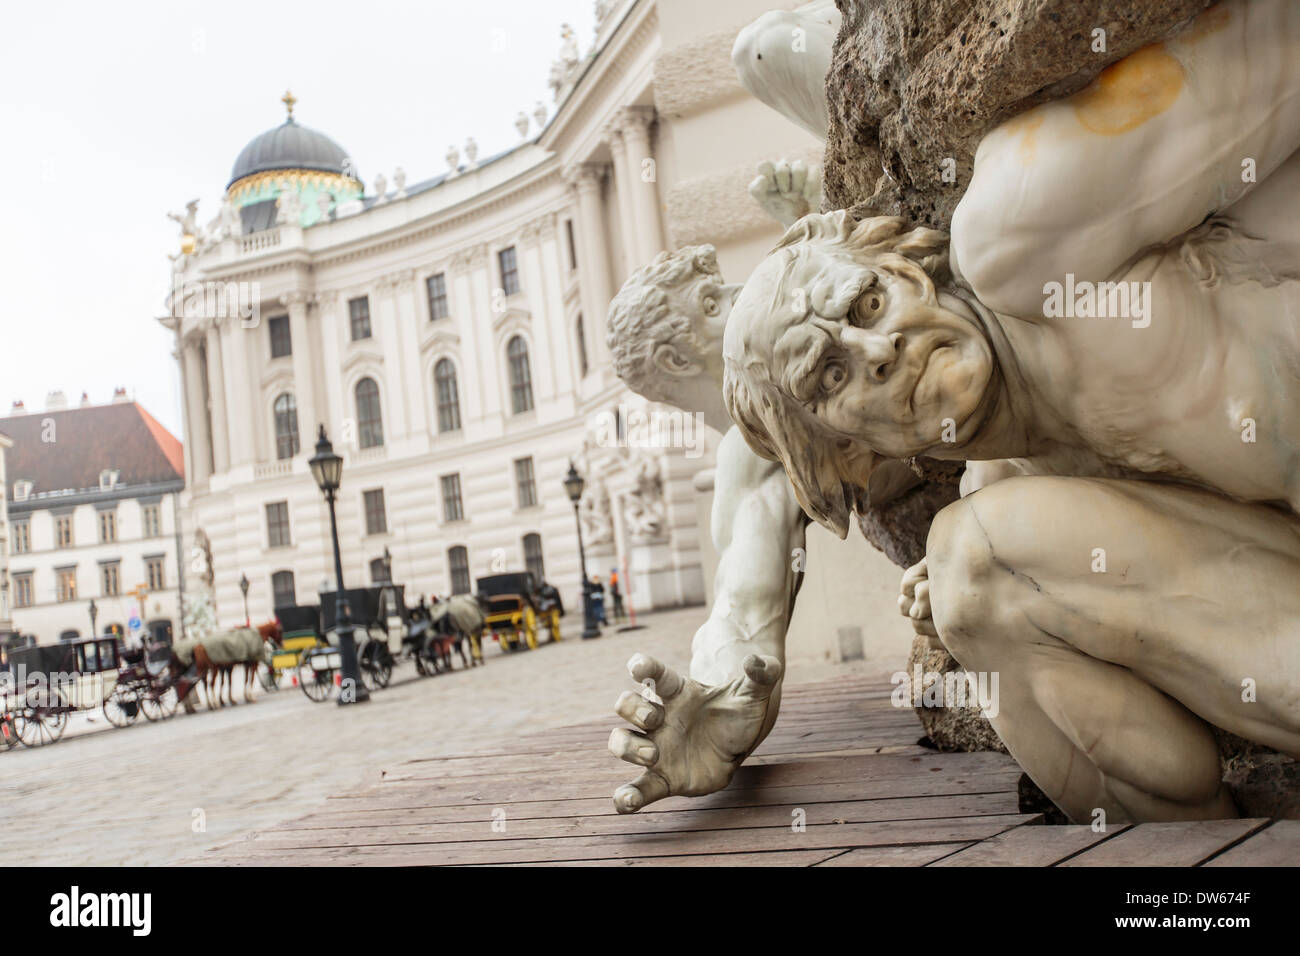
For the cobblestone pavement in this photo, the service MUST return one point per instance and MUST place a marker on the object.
(132, 796)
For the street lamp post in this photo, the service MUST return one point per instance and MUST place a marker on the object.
(243, 587)
(327, 469)
(573, 486)
(94, 612)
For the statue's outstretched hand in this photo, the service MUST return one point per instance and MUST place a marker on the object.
(788, 190)
(914, 601)
(691, 737)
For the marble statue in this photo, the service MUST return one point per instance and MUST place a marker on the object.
(644, 508)
(189, 223)
(666, 329)
(521, 124)
(453, 161)
(471, 153)
(1108, 338)
(782, 58)
(596, 514)
(399, 183)
(288, 207)
(539, 114)
(381, 188)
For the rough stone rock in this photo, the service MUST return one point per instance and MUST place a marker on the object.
(1263, 782)
(913, 83)
(899, 527)
(949, 728)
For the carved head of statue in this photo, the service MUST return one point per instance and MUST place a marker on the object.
(839, 352)
(666, 324)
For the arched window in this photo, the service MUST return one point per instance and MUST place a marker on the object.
(448, 396)
(370, 420)
(286, 426)
(282, 590)
(458, 565)
(533, 556)
(580, 335)
(521, 377)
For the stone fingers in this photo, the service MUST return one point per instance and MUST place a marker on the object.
(638, 711)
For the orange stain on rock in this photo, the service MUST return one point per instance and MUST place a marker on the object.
(1142, 85)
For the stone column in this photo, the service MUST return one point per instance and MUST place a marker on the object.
(624, 184)
(304, 386)
(217, 400)
(327, 319)
(593, 258)
(197, 440)
(414, 389)
(392, 388)
(643, 176)
(239, 390)
(477, 383)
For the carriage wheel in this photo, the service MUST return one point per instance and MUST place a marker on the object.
(159, 704)
(530, 627)
(318, 685)
(267, 677)
(376, 666)
(122, 707)
(42, 718)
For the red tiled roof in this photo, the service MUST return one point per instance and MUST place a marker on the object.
(122, 437)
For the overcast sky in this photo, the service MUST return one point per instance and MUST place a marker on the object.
(114, 114)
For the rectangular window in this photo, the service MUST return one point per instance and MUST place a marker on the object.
(451, 505)
(376, 519)
(573, 250)
(67, 584)
(154, 571)
(525, 486)
(533, 557)
(152, 521)
(63, 531)
(283, 591)
(23, 590)
(107, 526)
(22, 537)
(111, 579)
(458, 564)
(281, 342)
(359, 310)
(437, 286)
(277, 524)
(509, 270)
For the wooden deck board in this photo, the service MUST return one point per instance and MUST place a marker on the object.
(840, 782)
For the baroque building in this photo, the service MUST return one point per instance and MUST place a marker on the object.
(449, 332)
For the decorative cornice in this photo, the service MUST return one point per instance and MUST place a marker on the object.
(440, 340)
(362, 356)
(291, 299)
(326, 297)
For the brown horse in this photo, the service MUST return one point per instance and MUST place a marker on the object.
(217, 675)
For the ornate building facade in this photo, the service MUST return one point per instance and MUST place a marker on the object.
(449, 333)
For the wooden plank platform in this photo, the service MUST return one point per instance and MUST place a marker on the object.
(841, 781)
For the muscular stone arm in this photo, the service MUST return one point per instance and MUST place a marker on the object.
(1142, 155)
(757, 525)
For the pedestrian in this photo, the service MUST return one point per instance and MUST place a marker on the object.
(598, 599)
(616, 595)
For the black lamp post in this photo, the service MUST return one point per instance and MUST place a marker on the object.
(573, 486)
(327, 469)
(243, 587)
(94, 612)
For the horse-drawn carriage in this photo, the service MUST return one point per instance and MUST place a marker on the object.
(47, 682)
(386, 633)
(516, 604)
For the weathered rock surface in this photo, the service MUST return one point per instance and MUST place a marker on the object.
(949, 728)
(913, 83)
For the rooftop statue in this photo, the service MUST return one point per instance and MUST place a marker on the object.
(1108, 336)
